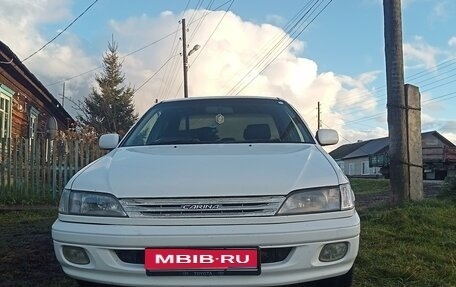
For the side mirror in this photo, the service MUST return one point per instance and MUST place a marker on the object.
(327, 137)
(109, 141)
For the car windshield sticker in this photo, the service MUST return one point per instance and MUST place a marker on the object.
(220, 119)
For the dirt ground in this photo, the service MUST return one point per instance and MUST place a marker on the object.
(430, 189)
(26, 252)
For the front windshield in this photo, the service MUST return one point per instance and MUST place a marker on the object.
(208, 121)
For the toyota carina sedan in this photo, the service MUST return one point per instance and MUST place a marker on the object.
(220, 191)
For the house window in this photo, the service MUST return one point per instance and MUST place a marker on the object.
(6, 96)
(33, 122)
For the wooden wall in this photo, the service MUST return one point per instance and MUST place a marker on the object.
(23, 100)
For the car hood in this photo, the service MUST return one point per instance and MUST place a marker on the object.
(207, 170)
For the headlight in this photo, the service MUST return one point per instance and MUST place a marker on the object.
(90, 203)
(318, 200)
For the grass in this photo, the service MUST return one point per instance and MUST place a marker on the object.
(413, 245)
(27, 199)
(363, 186)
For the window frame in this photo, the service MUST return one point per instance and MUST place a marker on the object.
(33, 122)
(6, 94)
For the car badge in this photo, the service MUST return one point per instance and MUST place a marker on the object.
(220, 119)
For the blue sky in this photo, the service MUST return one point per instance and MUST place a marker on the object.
(338, 60)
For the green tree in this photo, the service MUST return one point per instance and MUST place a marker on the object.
(110, 107)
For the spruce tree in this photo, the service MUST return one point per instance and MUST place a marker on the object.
(110, 107)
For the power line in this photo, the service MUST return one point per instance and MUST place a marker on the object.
(123, 57)
(174, 67)
(425, 103)
(438, 86)
(175, 70)
(208, 39)
(197, 6)
(366, 118)
(279, 36)
(351, 109)
(283, 49)
(213, 32)
(156, 72)
(164, 86)
(61, 32)
(442, 65)
(439, 98)
(278, 39)
(200, 22)
(129, 54)
(274, 58)
(172, 71)
(347, 140)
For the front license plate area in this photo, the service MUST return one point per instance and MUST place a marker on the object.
(202, 261)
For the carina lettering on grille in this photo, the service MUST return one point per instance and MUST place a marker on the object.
(201, 206)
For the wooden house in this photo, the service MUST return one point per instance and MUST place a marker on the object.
(370, 158)
(27, 108)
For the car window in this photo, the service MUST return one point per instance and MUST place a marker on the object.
(219, 121)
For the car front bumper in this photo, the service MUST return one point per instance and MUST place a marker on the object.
(306, 239)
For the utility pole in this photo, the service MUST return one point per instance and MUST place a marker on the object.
(396, 104)
(184, 54)
(318, 116)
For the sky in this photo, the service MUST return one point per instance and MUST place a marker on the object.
(334, 55)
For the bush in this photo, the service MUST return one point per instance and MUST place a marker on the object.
(449, 187)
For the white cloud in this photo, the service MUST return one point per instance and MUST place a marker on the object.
(451, 136)
(19, 26)
(275, 20)
(441, 10)
(232, 52)
(447, 127)
(452, 42)
(429, 104)
(363, 135)
(420, 52)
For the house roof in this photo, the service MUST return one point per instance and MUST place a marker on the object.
(14, 67)
(346, 149)
(373, 146)
(440, 137)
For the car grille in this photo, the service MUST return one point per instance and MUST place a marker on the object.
(268, 255)
(202, 207)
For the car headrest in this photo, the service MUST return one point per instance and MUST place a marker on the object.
(257, 132)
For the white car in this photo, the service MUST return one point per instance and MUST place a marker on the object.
(220, 191)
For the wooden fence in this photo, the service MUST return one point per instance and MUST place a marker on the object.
(41, 166)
